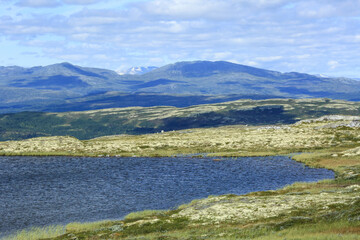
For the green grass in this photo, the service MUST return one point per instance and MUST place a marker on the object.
(36, 233)
(143, 214)
(87, 226)
(320, 231)
(160, 226)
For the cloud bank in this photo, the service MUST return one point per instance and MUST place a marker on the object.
(315, 36)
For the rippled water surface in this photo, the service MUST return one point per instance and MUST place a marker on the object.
(40, 191)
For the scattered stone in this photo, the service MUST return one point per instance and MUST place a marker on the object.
(353, 188)
(330, 118)
(72, 236)
(275, 127)
(116, 228)
(214, 210)
(352, 152)
(352, 124)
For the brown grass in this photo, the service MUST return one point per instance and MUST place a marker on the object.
(338, 162)
(346, 230)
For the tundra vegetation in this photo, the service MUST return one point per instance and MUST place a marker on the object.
(329, 209)
(143, 120)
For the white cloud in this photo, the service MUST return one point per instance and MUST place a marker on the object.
(317, 10)
(80, 36)
(328, 8)
(251, 63)
(333, 64)
(81, 2)
(264, 4)
(356, 38)
(222, 55)
(303, 56)
(74, 57)
(54, 3)
(283, 35)
(269, 58)
(190, 9)
(38, 3)
(101, 57)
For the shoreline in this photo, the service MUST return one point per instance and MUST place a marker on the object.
(300, 210)
(101, 222)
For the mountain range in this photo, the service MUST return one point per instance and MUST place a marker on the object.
(67, 87)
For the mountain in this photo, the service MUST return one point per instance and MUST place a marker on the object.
(229, 78)
(56, 76)
(136, 70)
(67, 87)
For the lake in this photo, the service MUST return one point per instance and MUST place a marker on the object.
(41, 191)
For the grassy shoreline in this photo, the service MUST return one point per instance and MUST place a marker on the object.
(328, 209)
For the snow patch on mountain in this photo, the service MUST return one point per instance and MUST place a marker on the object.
(136, 70)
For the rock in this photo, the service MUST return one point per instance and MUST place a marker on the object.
(330, 118)
(352, 124)
(116, 228)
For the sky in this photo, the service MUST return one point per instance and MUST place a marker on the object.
(312, 36)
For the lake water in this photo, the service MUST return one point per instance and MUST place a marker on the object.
(40, 191)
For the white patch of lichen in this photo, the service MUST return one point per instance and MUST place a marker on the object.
(248, 208)
(352, 152)
(302, 136)
(43, 144)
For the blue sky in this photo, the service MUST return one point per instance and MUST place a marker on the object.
(313, 36)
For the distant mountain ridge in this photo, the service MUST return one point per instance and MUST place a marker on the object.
(70, 87)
